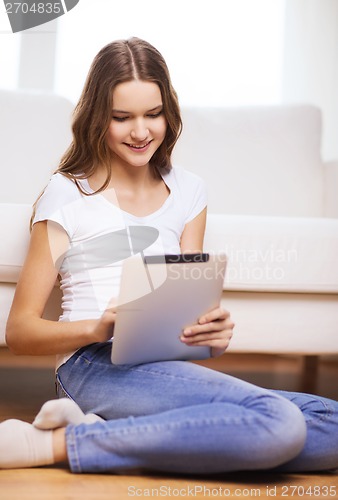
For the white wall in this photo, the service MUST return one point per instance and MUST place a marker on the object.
(220, 52)
(310, 71)
(37, 57)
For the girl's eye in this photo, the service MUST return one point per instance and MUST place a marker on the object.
(119, 118)
(124, 118)
(156, 115)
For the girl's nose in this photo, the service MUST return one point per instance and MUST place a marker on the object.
(139, 131)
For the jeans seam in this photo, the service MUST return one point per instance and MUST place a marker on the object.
(136, 429)
(73, 455)
(158, 373)
(59, 383)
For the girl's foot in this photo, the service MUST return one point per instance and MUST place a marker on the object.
(61, 412)
(22, 445)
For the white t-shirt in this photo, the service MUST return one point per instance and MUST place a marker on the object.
(102, 235)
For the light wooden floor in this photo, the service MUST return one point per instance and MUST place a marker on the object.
(23, 390)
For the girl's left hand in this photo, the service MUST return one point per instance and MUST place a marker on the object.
(214, 329)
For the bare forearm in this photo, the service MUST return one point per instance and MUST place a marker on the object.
(36, 336)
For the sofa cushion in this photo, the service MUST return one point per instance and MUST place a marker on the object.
(281, 254)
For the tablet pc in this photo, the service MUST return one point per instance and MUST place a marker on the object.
(159, 297)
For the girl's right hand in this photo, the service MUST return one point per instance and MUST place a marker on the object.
(103, 328)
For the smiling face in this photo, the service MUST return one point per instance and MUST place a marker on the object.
(138, 125)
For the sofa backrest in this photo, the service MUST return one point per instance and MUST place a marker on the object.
(35, 131)
(256, 160)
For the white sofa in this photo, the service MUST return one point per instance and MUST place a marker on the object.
(273, 207)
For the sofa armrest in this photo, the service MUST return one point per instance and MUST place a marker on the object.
(331, 189)
(14, 229)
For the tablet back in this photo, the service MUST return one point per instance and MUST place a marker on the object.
(157, 300)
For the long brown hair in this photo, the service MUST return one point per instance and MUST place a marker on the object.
(118, 62)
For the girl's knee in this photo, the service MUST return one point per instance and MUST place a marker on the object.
(285, 435)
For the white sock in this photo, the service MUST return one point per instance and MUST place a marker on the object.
(60, 413)
(22, 445)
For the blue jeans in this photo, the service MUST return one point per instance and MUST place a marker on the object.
(177, 416)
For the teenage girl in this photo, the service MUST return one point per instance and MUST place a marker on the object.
(172, 416)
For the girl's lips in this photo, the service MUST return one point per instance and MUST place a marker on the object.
(138, 148)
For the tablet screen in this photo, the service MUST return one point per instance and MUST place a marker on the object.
(183, 258)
